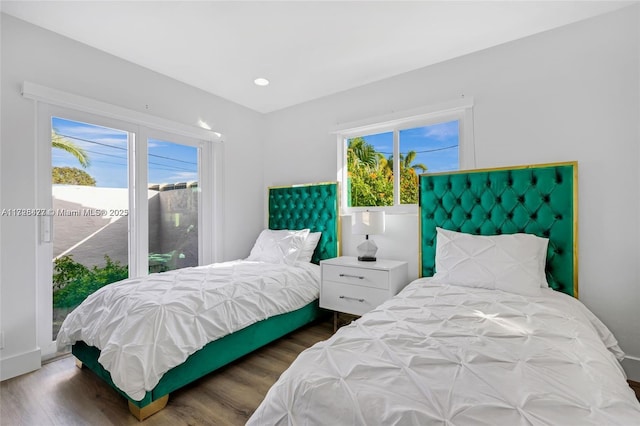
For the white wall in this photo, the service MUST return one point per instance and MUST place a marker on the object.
(568, 94)
(34, 54)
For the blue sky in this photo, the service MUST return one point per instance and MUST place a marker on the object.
(107, 151)
(436, 145)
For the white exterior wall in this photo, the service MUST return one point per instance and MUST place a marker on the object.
(567, 94)
(30, 53)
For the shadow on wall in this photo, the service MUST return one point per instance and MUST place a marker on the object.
(91, 222)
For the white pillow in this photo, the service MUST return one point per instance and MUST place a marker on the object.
(309, 247)
(278, 246)
(513, 262)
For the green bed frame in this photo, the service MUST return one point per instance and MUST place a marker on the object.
(535, 199)
(313, 206)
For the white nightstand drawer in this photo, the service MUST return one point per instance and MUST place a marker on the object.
(356, 276)
(350, 299)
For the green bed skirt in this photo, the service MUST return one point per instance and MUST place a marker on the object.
(214, 355)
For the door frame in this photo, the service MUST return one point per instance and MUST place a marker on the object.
(210, 184)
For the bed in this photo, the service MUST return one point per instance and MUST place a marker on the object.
(491, 334)
(149, 336)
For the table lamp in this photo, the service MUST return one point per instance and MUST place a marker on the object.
(367, 223)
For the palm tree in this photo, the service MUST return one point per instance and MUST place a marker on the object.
(361, 154)
(405, 163)
(60, 142)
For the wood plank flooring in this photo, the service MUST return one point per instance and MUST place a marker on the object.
(61, 394)
(636, 388)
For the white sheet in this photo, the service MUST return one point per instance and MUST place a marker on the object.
(146, 326)
(440, 354)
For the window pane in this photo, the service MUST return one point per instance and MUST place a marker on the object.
(432, 148)
(91, 206)
(173, 205)
(370, 170)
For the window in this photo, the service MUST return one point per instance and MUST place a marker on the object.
(379, 163)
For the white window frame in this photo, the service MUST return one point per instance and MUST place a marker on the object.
(51, 102)
(460, 110)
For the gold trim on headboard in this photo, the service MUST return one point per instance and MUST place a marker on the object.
(526, 166)
(575, 228)
(298, 185)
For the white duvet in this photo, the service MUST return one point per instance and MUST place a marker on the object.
(146, 326)
(447, 355)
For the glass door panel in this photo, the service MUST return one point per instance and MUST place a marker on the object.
(90, 218)
(173, 196)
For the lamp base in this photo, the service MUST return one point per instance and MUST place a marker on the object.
(366, 259)
(367, 251)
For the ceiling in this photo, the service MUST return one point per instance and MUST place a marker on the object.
(306, 49)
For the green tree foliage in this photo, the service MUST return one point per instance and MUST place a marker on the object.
(73, 282)
(408, 186)
(371, 176)
(66, 270)
(60, 142)
(361, 155)
(72, 176)
(406, 162)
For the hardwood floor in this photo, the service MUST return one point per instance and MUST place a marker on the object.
(636, 388)
(61, 394)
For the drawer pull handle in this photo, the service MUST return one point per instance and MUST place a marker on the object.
(351, 298)
(360, 277)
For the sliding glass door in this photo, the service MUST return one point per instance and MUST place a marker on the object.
(173, 205)
(122, 200)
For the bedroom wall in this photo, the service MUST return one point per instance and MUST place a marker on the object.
(33, 54)
(572, 93)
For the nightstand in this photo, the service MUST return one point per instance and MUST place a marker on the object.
(353, 287)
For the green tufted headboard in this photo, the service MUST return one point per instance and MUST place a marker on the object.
(538, 199)
(314, 206)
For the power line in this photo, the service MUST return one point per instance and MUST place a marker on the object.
(170, 169)
(150, 162)
(95, 142)
(108, 155)
(110, 162)
(125, 149)
(437, 149)
(422, 152)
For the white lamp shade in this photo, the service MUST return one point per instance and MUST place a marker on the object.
(367, 223)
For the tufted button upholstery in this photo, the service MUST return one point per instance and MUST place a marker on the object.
(535, 200)
(308, 206)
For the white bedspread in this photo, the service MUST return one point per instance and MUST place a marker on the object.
(446, 355)
(146, 326)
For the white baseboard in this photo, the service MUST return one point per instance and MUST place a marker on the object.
(631, 365)
(19, 364)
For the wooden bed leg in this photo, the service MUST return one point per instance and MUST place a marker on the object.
(79, 364)
(142, 413)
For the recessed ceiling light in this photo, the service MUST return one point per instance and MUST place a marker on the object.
(261, 81)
